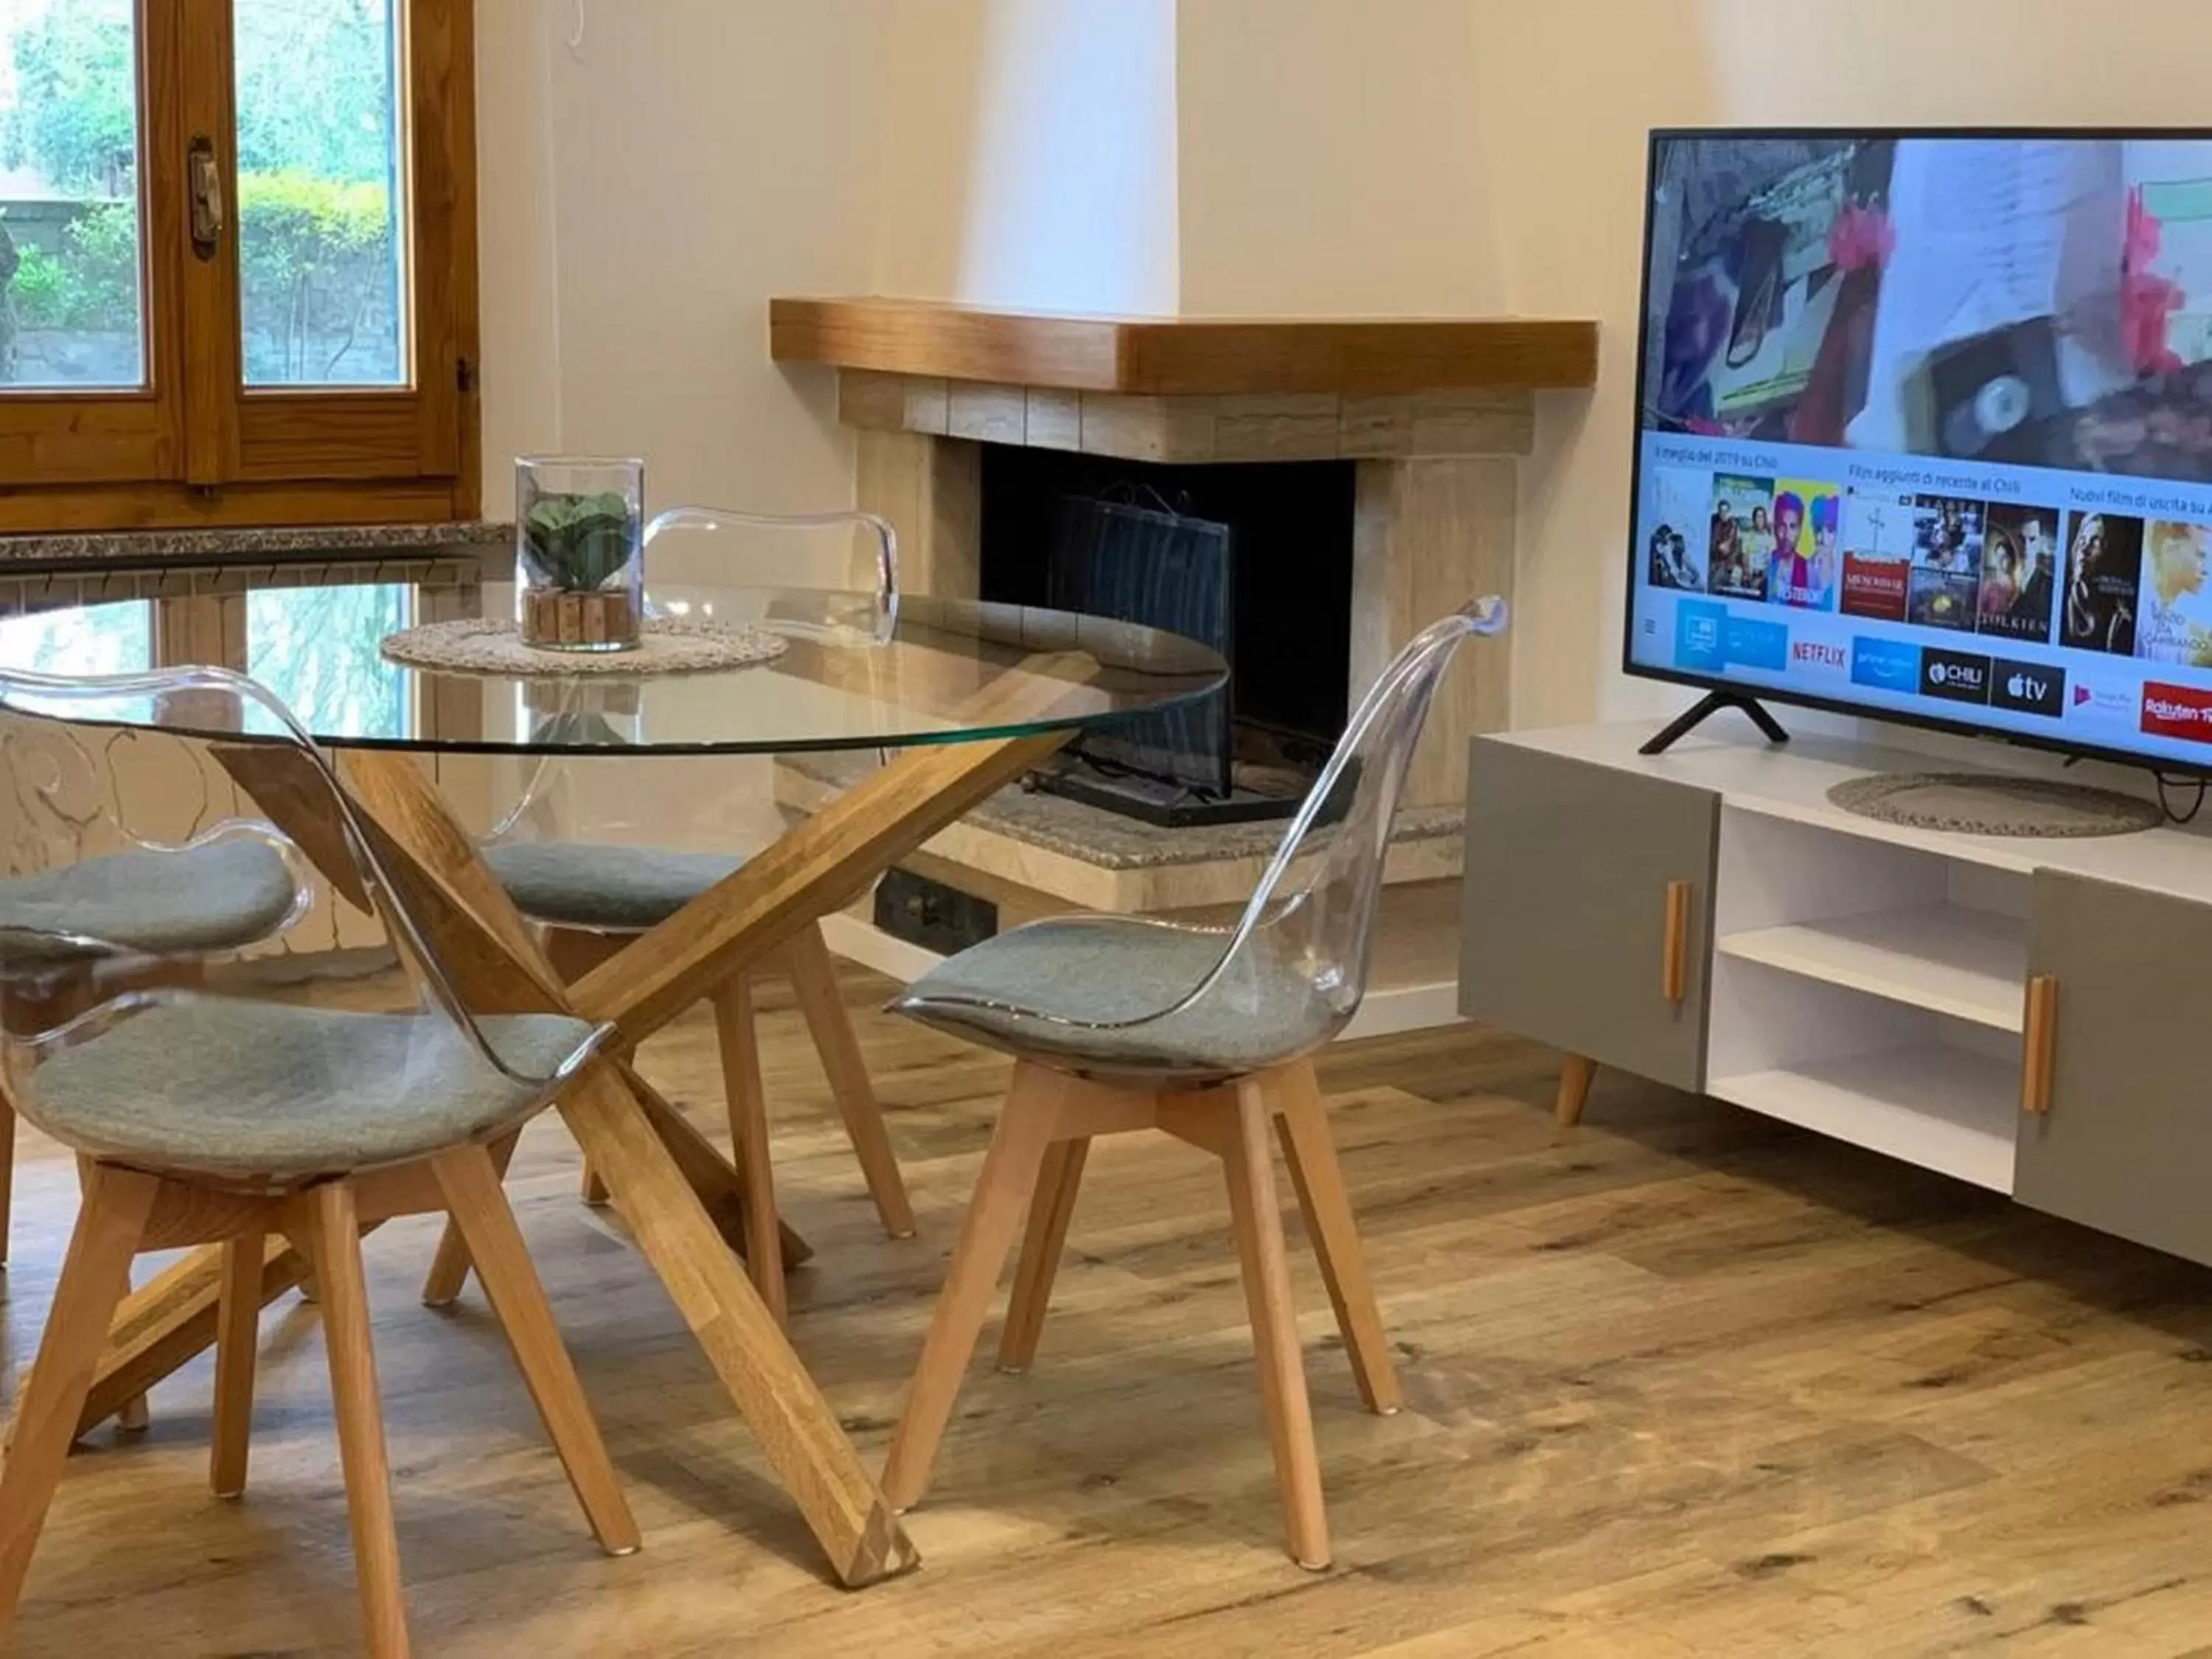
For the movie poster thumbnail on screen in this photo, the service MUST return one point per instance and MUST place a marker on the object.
(2038, 301)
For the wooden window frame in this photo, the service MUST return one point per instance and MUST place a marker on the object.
(196, 448)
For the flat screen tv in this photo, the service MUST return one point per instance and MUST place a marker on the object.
(1925, 431)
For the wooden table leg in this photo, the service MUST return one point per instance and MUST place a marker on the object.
(495, 963)
(718, 1181)
(800, 1435)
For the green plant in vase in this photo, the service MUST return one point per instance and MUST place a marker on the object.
(579, 557)
(576, 542)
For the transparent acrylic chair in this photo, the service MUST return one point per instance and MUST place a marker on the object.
(180, 906)
(1117, 1022)
(577, 864)
(211, 1104)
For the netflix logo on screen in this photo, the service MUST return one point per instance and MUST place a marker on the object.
(1818, 657)
(1875, 586)
(2177, 711)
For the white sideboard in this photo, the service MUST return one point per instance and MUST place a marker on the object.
(2033, 1016)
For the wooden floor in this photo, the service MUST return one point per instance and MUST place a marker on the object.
(1679, 1383)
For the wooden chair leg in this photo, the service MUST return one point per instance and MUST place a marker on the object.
(238, 1339)
(1310, 1151)
(478, 1204)
(1258, 1222)
(1049, 1210)
(135, 1414)
(1574, 1077)
(594, 1190)
(748, 1104)
(449, 1268)
(332, 1233)
(7, 1171)
(94, 1276)
(814, 981)
(1011, 1167)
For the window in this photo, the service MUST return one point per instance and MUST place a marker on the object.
(111, 638)
(237, 262)
(324, 653)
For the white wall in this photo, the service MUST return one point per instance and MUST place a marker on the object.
(1319, 156)
(641, 198)
(1568, 89)
(1471, 155)
(1028, 153)
(1331, 159)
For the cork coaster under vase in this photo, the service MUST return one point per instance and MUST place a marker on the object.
(665, 645)
(553, 619)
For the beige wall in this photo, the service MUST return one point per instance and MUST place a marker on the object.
(1568, 89)
(1028, 153)
(1324, 156)
(641, 199)
(1331, 158)
(1406, 156)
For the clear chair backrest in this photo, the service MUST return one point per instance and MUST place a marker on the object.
(1295, 965)
(798, 573)
(851, 556)
(1313, 912)
(141, 857)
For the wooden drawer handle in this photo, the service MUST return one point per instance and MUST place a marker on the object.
(1675, 960)
(2039, 1050)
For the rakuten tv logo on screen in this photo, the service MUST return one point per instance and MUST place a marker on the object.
(2177, 711)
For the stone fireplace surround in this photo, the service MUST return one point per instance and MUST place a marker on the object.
(1435, 415)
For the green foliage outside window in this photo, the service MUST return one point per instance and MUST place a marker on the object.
(316, 242)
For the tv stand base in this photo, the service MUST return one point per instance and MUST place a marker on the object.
(1710, 704)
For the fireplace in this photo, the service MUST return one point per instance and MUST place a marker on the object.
(1364, 473)
(1255, 559)
(1361, 477)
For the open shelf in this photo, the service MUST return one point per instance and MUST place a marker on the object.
(1968, 964)
(1942, 1107)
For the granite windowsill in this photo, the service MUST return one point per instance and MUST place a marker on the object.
(139, 549)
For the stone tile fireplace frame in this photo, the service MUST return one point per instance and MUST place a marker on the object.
(1435, 414)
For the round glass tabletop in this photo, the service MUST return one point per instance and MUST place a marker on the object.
(945, 670)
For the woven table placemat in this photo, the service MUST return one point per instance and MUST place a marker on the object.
(484, 645)
(1977, 804)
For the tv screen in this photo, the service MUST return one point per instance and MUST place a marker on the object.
(1925, 431)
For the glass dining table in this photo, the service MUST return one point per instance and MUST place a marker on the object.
(962, 698)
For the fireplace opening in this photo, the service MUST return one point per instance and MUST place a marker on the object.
(1253, 558)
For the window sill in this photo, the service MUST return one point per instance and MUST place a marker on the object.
(136, 549)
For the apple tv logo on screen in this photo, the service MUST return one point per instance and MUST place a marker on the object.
(2028, 688)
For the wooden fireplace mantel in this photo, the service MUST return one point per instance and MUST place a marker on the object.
(1184, 356)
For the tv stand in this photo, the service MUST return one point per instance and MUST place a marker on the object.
(1706, 706)
(2017, 1013)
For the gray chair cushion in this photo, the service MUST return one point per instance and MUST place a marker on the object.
(574, 883)
(219, 897)
(221, 1086)
(1111, 968)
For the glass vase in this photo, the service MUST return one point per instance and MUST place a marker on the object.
(579, 551)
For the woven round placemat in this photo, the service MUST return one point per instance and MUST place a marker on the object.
(1977, 804)
(484, 645)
